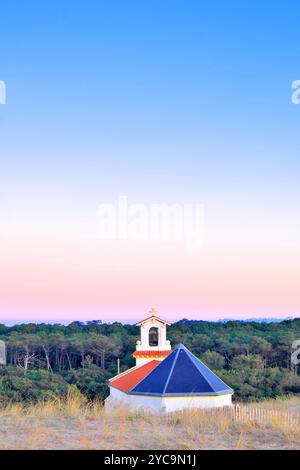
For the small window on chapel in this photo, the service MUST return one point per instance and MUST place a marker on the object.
(153, 336)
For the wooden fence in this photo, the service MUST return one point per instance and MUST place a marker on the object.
(260, 416)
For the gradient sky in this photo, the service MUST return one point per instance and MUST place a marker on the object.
(164, 101)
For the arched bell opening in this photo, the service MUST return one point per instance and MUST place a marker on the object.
(153, 336)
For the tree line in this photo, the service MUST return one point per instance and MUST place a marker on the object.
(254, 358)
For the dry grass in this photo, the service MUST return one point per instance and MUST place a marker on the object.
(280, 403)
(76, 424)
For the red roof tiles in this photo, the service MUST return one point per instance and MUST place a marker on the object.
(151, 353)
(130, 379)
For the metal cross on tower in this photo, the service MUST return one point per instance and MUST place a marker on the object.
(153, 312)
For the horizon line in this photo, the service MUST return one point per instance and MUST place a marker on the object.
(267, 319)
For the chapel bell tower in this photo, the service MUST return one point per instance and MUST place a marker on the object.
(153, 344)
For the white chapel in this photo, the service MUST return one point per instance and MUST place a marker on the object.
(164, 380)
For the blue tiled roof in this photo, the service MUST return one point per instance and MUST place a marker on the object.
(181, 373)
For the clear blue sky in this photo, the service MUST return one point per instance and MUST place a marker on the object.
(183, 85)
(165, 101)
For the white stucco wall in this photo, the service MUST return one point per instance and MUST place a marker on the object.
(167, 404)
(179, 403)
(117, 397)
(141, 361)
